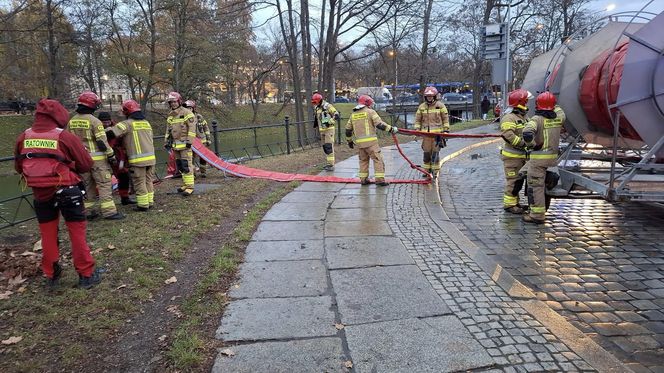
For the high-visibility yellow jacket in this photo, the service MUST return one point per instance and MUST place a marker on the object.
(181, 128)
(511, 127)
(432, 117)
(203, 130)
(136, 135)
(361, 126)
(546, 134)
(91, 132)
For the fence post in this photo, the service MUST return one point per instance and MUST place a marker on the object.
(287, 125)
(255, 139)
(214, 135)
(339, 131)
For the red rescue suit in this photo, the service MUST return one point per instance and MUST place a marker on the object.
(50, 160)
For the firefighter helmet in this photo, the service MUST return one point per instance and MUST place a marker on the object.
(89, 99)
(191, 104)
(430, 91)
(316, 99)
(365, 100)
(518, 99)
(129, 107)
(174, 96)
(545, 101)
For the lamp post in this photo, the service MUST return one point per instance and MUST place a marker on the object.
(104, 79)
(393, 54)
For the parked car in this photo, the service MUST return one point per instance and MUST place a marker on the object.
(454, 97)
(341, 99)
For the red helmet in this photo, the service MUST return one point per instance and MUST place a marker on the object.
(518, 99)
(316, 99)
(430, 91)
(545, 101)
(191, 104)
(174, 96)
(89, 99)
(365, 100)
(129, 107)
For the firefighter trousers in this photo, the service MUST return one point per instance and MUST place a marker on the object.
(431, 158)
(68, 202)
(143, 178)
(185, 164)
(201, 164)
(372, 152)
(536, 186)
(327, 137)
(98, 185)
(513, 182)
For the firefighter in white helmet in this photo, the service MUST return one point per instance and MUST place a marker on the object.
(432, 117)
(180, 135)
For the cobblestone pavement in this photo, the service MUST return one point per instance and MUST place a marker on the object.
(600, 265)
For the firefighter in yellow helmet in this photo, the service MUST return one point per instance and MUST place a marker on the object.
(90, 131)
(513, 152)
(180, 135)
(361, 130)
(136, 135)
(432, 116)
(542, 135)
(326, 118)
(203, 133)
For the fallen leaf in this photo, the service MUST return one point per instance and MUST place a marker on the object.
(28, 253)
(174, 310)
(12, 340)
(171, 280)
(37, 246)
(339, 326)
(22, 289)
(111, 246)
(16, 280)
(130, 270)
(6, 295)
(349, 364)
(228, 352)
(175, 297)
(121, 287)
(162, 338)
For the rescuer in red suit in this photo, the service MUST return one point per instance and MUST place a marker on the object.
(50, 160)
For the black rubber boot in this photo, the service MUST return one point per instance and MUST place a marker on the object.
(89, 282)
(127, 201)
(52, 283)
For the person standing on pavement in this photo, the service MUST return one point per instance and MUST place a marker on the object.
(203, 134)
(51, 160)
(432, 116)
(361, 130)
(325, 118)
(484, 106)
(136, 135)
(513, 152)
(180, 134)
(91, 132)
(120, 170)
(542, 135)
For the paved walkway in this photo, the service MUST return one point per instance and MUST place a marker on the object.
(343, 278)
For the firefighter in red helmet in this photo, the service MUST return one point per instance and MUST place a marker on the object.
(542, 135)
(361, 131)
(51, 160)
(325, 118)
(98, 182)
(203, 133)
(180, 135)
(513, 152)
(432, 116)
(136, 135)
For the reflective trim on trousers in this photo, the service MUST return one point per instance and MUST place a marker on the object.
(363, 175)
(150, 197)
(509, 201)
(142, 200)
(379, 175)
(188, 180)
(366, 139)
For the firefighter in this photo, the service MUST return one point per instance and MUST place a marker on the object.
(121, 170)
(180, 134)
(325, 118)
(432, 116)
(50, 160)
(513, 152)
(361, 130)
(136, 135)
(542, 135)
(203, 133)
(91, 132)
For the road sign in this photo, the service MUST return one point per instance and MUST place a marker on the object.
(494, 41)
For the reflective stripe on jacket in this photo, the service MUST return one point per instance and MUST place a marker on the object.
(90, 130)
(137, 139)
(511, 127)
(181, 127)
(432, 118)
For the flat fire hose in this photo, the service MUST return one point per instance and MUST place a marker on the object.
(248, 172)
(404, 131)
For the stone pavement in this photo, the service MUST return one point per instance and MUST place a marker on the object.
(343, 278)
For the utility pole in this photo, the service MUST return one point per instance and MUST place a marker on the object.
(507, 54)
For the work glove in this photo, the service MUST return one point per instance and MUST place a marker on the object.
(168, 147)
(81, 187)
(351, 144)
(528, 137)
(188, 145)
(394, 130)
(112, 160)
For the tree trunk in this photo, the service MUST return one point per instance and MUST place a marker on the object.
(306, 57)
(424, 57)
(290, 41)
(321, 45)
(52, 52)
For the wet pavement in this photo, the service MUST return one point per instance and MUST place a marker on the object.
(345, 278)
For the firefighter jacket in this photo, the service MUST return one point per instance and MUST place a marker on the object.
(545, 128)
(511, 127)
(432, 117)
(326, 116)
(90, 131)
(203, 130)
(361, 126)
(181, 128)
(136, 135)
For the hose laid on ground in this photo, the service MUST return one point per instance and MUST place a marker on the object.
(404, 131)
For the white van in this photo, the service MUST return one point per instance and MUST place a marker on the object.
(381, 95)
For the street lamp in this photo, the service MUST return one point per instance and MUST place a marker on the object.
(610, 7)
(104, 78)
(393, 54)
